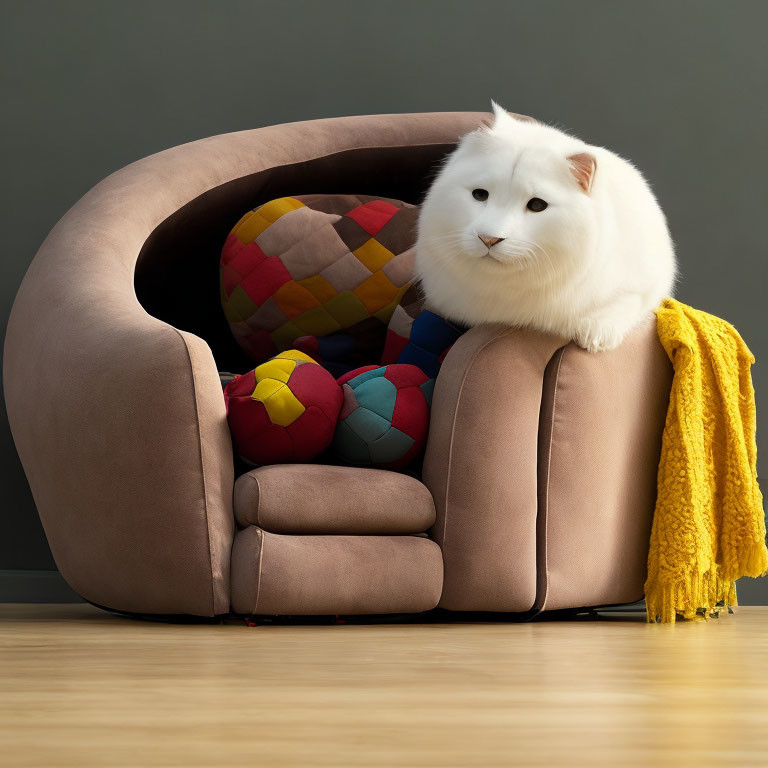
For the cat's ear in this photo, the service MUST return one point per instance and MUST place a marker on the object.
(583, 167)
(499, 113)
(500, 116)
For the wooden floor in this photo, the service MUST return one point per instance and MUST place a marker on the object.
(80, 687)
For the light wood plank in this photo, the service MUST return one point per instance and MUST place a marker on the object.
(80, 687)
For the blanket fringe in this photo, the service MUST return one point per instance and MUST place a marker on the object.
(701, 595)
(697, 597)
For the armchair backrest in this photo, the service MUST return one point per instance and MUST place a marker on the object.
(383, 155)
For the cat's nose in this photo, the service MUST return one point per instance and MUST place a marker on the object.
(490, 241)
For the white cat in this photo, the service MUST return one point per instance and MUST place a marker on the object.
(528, 226)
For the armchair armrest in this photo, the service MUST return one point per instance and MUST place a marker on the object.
(542, 460)
(121, 426)
(481, 466)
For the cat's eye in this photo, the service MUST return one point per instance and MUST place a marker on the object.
(536, 204)
(480, 194)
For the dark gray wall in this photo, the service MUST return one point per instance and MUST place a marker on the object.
(679, 87)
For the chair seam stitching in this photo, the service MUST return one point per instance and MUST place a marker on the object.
(260, 535)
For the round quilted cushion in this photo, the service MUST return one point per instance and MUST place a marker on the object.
(284, 410)
(385, 416)
(317, 265)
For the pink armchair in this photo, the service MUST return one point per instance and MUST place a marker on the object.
(539, 476)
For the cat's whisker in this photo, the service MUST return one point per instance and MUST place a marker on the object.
(537, 254)
(449, 240)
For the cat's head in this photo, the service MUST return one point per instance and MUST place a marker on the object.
(515, 196)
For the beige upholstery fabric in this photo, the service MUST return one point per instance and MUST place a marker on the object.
(117, 416)
(481, 466)
(319, 575)
(542, 461)
(314, 498)
(597, 473)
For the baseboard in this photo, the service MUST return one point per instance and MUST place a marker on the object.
(17, 586)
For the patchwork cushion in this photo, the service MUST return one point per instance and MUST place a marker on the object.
(283, 410)
(385, 416)
(317, 265)
(417, 336)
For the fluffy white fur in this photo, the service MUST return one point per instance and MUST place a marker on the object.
(589, 267)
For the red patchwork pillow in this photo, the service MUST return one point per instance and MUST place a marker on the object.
(284, 410)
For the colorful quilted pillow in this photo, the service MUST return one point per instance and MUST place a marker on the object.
(314, 266)
(284, 410)
(418, 336)
(384, 417)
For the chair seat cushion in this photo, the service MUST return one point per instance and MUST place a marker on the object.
(318, 499)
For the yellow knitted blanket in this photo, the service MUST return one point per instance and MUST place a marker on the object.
(709, 524)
